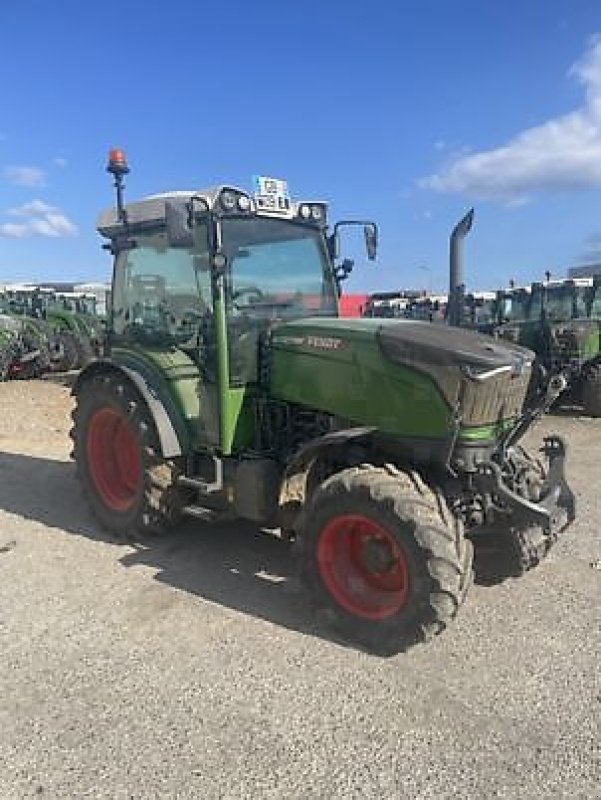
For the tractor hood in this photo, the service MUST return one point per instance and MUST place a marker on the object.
(413, 344)
(389, 373)
(426, 345)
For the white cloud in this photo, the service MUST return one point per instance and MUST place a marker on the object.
(13, 230)
(37, 218)
(562, 154)
(35, 208)
(25, 176)
(59, 162)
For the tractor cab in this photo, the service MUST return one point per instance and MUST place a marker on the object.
(77, 303)
(202, 278)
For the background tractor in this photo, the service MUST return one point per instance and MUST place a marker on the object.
(24, 346)
(71, 340)
(560, 320)
(10, 346)
(83, 308)
(230, 388)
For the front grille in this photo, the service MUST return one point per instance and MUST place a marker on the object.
(497, 398)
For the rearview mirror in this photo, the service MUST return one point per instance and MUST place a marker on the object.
(177, 221)
(370, 232)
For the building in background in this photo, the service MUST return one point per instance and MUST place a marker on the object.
(584, 271)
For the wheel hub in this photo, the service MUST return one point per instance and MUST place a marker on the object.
(363, 566)
(377, 556)
(114, 459)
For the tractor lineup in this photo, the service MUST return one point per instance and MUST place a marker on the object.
(558, 320)
(386, 450)
(42, 331)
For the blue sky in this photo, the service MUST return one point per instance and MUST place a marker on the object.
(407, 113)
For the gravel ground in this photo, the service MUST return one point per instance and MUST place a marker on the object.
(192, 668)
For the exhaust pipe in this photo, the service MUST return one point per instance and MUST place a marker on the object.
(456, 279)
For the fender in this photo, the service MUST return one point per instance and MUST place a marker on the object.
(167, 422)
(302, 460)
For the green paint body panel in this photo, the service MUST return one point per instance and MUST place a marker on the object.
(62, 320)
(354, 380)
(332, 365)
(591, 346)
(484, 433)
(239, 421)
(191, 405)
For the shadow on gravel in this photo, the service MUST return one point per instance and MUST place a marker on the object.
(232, 564)
(494, 565)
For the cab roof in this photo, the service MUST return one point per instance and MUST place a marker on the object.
(150, 211)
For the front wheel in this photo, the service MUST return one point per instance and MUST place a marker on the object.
(129, 485)
(383, 557)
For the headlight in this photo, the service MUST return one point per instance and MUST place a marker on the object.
(243, 202)
(304, 211)
(316, 212)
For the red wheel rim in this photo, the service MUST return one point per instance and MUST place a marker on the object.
(114, 459)
(363, 567)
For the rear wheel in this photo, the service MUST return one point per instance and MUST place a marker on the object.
(591, 392)
(129, 486)
(383, 557)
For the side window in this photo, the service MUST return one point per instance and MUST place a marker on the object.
(580, 303)
(161, 291)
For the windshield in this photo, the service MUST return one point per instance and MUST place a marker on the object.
(581, 301)
(515, 307)
(79, 305)
(595, 306)
(559, 303)
(481, 311)
(277, 271)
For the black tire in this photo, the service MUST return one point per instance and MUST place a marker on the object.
(85, 352)
(437, 558)
(591, 391)
(6, 359)
(153, 501)
(66, 343)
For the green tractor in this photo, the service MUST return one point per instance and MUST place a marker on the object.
(561, 321)
(230, 388)
(23, 351)
(83, 309)
(70, 343)
(10, 346)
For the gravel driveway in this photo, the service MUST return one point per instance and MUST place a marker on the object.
(193, 669)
